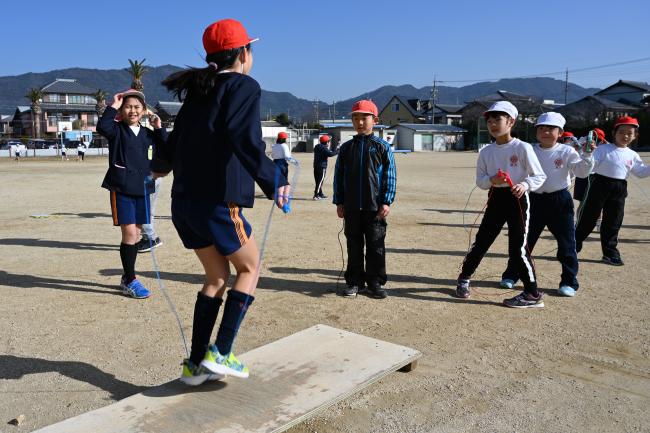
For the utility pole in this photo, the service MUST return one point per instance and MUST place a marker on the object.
(334, 109)
(566, 85)
(316, 107)
(434, 94)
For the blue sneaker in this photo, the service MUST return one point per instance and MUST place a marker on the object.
(507, 283)
(227, 365)
(567, 291)
(134, 289)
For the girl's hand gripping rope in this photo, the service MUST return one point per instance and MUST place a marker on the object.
(282, 196)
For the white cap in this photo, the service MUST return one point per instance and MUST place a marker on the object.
(551, 119)
(504, 107)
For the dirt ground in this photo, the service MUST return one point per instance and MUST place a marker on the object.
(70, 342)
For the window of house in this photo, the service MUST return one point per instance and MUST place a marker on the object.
(91, 119)
(395, 108)
(427, 141)
(53, 97)
(75, 99)
(53, 119)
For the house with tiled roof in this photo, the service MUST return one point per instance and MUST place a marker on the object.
(635, 93)
(529, 107)
(64, 100)
(594, 110)
(404, 109)
(168, 110)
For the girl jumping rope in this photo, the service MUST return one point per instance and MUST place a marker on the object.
(217, 154)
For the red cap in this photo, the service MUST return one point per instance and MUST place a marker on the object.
(626, 120)
(566, 134)
(282, 135)
(324, 138)
(365, 106)
(225, 35)
(600, 134)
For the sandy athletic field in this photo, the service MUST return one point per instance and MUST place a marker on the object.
(70, 342)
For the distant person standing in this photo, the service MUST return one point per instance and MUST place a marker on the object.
(322, 151)
(16, 150)
(81, 151)
(64, 156)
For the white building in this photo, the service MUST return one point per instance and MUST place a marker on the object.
(418, 137)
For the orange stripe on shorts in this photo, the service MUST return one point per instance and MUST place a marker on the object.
(114, 208)
(239, 224)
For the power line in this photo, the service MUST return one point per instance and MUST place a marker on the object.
(548, 74)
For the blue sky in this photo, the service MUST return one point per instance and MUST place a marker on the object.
(339, 49)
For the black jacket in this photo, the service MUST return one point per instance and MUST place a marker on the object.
(364, 176)
(321, 153)
(216, 148)
(128, 154)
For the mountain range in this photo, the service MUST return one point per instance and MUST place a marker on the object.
(14, 88)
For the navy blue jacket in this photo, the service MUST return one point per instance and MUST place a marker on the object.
(128, 154)
(364, 176)
(321, 153)
(216, 148)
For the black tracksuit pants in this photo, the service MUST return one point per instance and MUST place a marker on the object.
(555, 211)
(503, 208)
(608, 195)
(365, 227)
(319, 178)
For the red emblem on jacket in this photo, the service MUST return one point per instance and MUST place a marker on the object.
(514, 161)
(558, 163)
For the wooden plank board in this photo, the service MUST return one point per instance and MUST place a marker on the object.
(291, 380)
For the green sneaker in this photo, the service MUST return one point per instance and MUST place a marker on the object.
(226, 365)
(195, 375)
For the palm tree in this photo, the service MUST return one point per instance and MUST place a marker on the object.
(137, 70)
(35, 95)
(100, 97)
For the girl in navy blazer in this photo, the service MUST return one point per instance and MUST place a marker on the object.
(217, 155)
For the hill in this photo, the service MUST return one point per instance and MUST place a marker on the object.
(14, 88)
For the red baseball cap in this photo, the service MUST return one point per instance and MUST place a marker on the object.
(225, 35)
(600, 134)
(282, 135)
(566, 134)
(626, 120)
(324, 138)
(365, 106)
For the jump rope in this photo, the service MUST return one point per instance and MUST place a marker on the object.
(267, 229)
(591, 137)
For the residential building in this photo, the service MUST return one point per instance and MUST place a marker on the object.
(404, 109)
(593, 111)
(168, 110)
(635, 93)
(529, 107)
(64, 100)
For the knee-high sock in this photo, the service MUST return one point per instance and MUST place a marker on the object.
(128, 254)
(234, 310)
(205, 315)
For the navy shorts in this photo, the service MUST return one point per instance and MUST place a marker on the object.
(283, 165)
(129, 209)
(201, 224)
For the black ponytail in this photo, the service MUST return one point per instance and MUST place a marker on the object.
(199, 81)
